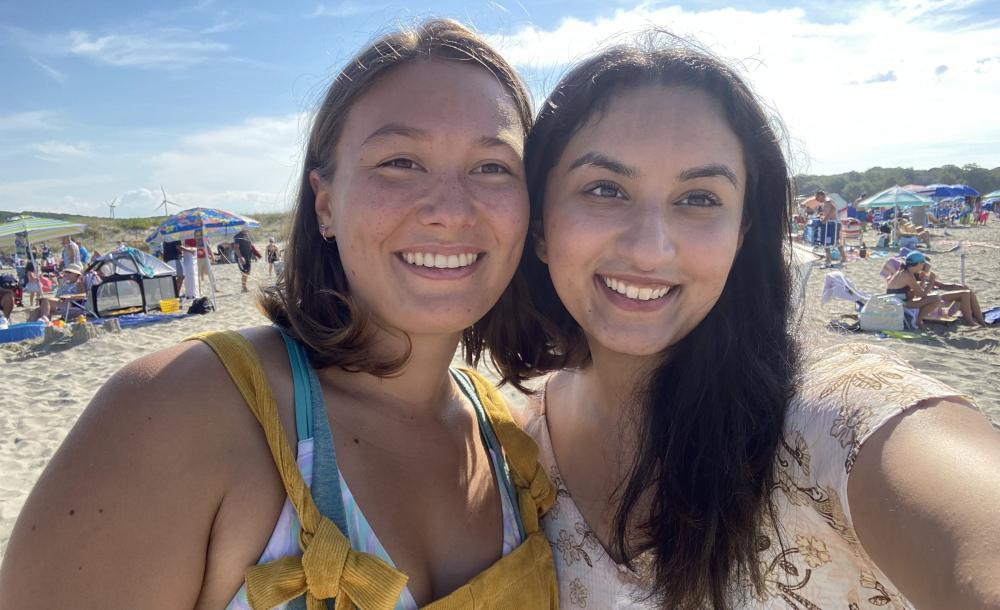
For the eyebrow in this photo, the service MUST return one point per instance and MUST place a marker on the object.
(709, 170)
(397, 129)
(603, 161)
(405, 131)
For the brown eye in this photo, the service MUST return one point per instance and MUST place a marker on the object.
(491, 168)
(605, 190)
(399, 163)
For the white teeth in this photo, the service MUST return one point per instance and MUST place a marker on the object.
(635, 292)
(439, 261)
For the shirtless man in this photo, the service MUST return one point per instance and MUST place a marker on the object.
(831, 227)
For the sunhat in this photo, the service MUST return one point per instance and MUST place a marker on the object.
(915, 258)
(76, 268)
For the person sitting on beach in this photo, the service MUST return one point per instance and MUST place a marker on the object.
(72, 286)
(905, 228)
(917, 290)
(7, 302)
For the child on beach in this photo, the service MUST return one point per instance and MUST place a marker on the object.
(32, 285)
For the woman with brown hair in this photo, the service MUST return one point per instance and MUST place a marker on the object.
(410, 221)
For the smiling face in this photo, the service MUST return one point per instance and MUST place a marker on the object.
(642, 218)
(428, 203)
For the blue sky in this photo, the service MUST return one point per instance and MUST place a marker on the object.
(212, 98)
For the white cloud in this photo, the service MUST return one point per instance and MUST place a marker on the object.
(920, 115)
(59, 77)
(26, 121)
(346, 8)
(60, 151)
(162, 48)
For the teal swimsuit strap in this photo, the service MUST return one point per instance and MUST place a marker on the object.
(490, 438)
(300, 384)
(325, 487)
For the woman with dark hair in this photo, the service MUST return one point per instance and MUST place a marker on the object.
(695, 467)
(410, 221)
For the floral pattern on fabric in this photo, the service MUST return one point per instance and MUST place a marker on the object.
(813, 559)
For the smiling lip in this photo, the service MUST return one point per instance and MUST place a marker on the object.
(441, 262)
(640, 294)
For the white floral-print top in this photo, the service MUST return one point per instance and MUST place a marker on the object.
(847, 393)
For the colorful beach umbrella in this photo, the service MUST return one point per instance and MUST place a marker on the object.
(896, 197)
(212, 221)
(36, 229)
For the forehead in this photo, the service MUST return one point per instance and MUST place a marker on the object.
(448, 99)
(658, 124)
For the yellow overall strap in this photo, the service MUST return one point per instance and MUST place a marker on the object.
(536, 494)
(328, 567)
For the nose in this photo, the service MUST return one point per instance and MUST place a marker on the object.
(448, 203)
(647, 240)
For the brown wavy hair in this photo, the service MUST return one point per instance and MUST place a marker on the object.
(311, 300)
(713, 409)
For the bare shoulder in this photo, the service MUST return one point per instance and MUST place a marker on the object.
(137, 482)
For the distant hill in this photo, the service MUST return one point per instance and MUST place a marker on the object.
(105, 233)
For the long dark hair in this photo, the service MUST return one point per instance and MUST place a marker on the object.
(713, 410)
(311, 299)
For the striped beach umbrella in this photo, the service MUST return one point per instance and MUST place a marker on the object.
(36, 229)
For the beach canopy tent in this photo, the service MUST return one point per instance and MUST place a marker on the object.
(895, 197)
(131, 281)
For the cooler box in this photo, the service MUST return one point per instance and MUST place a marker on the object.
(882, 312)
(20, 332)
(814, 231)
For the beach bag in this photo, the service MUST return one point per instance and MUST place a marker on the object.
(882, 312)
(201, 305)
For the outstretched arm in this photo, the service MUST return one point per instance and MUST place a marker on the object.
(925, 496)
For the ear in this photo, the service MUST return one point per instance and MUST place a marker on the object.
(537, 234)
(323, 202)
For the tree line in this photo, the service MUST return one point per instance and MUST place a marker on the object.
(851, 185)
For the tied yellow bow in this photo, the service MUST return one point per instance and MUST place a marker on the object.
(328, 568)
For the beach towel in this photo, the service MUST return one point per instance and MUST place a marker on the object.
(837, 286)
(992, 315)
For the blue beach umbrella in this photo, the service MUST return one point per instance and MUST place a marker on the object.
(964, 190)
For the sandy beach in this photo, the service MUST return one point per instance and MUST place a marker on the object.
(46, 388)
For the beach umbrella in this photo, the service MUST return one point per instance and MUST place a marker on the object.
(933, 190)
(963, 190)
(36, 229)
(211, 221)
(895, 197)
(992, 195)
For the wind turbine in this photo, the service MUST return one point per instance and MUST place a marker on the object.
(166, 202)
(112, 207)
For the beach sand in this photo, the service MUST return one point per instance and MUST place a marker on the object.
(44, 389)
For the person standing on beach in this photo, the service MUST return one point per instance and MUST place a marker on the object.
(271, 252)
(831, 227)
(243, 246)
(172, 256)
(70, 252)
